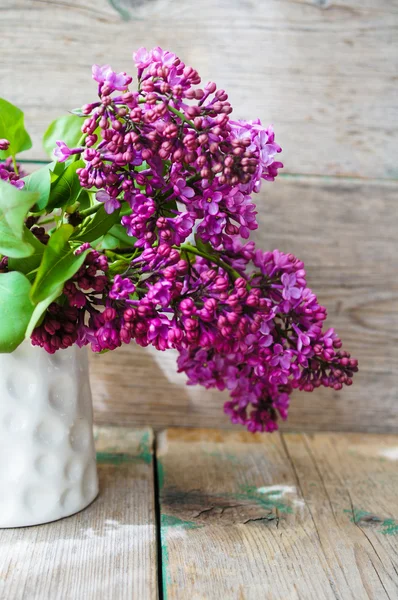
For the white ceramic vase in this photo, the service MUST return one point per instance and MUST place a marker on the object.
(47, 456)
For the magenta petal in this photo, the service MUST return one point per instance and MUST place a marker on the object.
(212, 208)
(295, 293)
(188, 192)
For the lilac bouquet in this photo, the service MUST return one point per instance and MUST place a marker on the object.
(139, 230)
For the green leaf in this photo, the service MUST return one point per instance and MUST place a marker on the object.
(29, 263)
(78, 112)
(39, 310)
(15, 310)
(66, 188)
(12, 245)
(56, 170)
(98, 226)
(117, 238)
(119, 232)
(13, 129)
(59, 264)
(84, 200)
(40, 181)
(67, 129)
(169, 209)
(108, 242)
(14, 206)
(118, 266)
(205, 247)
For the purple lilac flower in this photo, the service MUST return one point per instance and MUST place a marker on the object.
(110, 204)
(210, 202)
(142, 58)
(3, 264)
(240, 318)
(122, 288)
(227, 157)
(182, 190)
(7, 173)
(290, 291)
(62, 152)
(113, 81)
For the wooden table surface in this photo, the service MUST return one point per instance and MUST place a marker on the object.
(213, 515)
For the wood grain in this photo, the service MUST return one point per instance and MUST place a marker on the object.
(324, 72)
(299, 516)
(354, 476)
(108, 550)
(345, 232)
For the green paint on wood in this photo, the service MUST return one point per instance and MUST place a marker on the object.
(171, 521)
(266, 501)
(385, 526)
(121, 10)
(145, 449)
(167, 522)
(222, 456)
(358, 515)
(128, 9)
(160, 470)
(166, 577)
(390, 527)
(276, 492)
(115, 458)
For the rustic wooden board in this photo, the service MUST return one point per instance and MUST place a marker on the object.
(353, 476)
(298, 516)
(346, 234)
(324, 72)
(108, 550)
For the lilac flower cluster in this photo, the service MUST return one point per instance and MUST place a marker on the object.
(172, 161)
(213, 163)
(9, 171)
(78, 316)
(258, 333)
(38, 231)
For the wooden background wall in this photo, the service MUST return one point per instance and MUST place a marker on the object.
(325, 73)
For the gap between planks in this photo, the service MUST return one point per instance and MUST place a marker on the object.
(106, 551)
(280, 516)
(32, 164)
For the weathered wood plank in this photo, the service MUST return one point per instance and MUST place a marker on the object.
(346, 234)
(353, 476)
(141, 386)
(108, 550)
(247, 517)
(324, 73)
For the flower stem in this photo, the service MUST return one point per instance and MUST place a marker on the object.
(90, 211)
(14, 163)
(182, 116)
(46, 221)
(214, 259)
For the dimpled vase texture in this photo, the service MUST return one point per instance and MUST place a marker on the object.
(47, 456)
